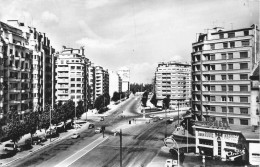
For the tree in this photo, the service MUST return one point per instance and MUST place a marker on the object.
(2, 123)
(106, 99)
(44, 121)
(154, 100)
(30, 122)
(15, 128)
(166, 102)
(144, 98)
(116, 96)
(98, 102)
(80, 109)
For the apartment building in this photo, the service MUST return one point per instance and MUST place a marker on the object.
(15, 75)
(71, 78)
(114, 81)
(222, 61)
(173, 79)
(124, 74)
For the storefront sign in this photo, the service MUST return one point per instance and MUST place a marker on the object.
(232, 154)
(231, 138)
(205, 134)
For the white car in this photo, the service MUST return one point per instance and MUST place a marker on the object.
(10, 147)
(76, 126)
(75, 135)
(98, 130)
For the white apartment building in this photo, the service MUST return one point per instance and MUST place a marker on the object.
(174, 79)
(124, 74)
(114, 81)
(222, 61)
(71, 75)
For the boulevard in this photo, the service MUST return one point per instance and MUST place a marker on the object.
(141, 142)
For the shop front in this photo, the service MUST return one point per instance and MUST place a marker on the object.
(225, 144)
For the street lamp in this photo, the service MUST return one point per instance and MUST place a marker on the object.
(177, 151)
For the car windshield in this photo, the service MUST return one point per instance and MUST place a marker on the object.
(9, 145)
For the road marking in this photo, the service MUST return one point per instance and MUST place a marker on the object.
(70, 160)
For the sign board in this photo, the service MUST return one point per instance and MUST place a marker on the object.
(169, 142)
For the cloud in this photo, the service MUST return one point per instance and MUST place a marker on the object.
(96, 3)
(97, 43)
(49, 17)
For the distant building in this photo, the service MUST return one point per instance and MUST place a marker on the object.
(72, 75)
(255, 94)
(173, 78)
(222, 61)
(124, 74)
(114, 81)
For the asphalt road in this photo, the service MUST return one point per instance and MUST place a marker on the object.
(141, 142)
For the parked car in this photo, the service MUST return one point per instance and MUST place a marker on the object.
(76, 126)
(98, 130)
(168, 121)
(102, 119)
(91, 126)
(155, 119)
(10, 147)
(75, 135)
(171, 119)
(161, 118)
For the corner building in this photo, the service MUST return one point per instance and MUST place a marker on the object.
(222, 61)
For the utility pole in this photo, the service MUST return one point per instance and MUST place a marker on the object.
(121, 163)
(178, 113)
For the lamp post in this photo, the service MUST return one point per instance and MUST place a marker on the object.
(165, 133)
(178, 113)
(178, 151)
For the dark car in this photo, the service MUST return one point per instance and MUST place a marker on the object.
(168, 122)
(91, 126)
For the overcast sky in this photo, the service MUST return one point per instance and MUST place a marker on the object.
(133, 33)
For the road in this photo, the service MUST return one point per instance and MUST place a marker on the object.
(141, 143)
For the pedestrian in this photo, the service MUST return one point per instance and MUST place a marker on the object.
(182, 157)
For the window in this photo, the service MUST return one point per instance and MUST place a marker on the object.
(244, 99)
(230, 77)
(72, 67)
(243, 55)
(231, 120)
(78, 97)
(61, 62)
(212, 46)
(224, 109)
(243, 88)
(230, 98)
(212, 88)
(72, 79)
(212, 57)
(72, 91)
(225, 45)
(230, 66)
(231, 35)
(78, 85)
(245, 43)
(230, 55)
(243, 76)
(11, 51)
(221, 36)
(243, 66)
(246, 33)
(223, 67)
(78, 79)
(230, 109)
(223, 88)
(243, 110)
(243, 122)
(72, 85)
(78, 91)
(223, 98)
(223, 56)
(212, 108)
(78, 67)
(230, 88)
(232, 44)
(72, 97)
(212, 98)
(212, 77)
(223, 77)
(212, 67)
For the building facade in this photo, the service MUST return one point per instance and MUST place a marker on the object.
(222, 62)
(174, 79)
(124, 74)
(114, 81)
(71, 75)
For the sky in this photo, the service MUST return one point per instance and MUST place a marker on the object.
(137, 34)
